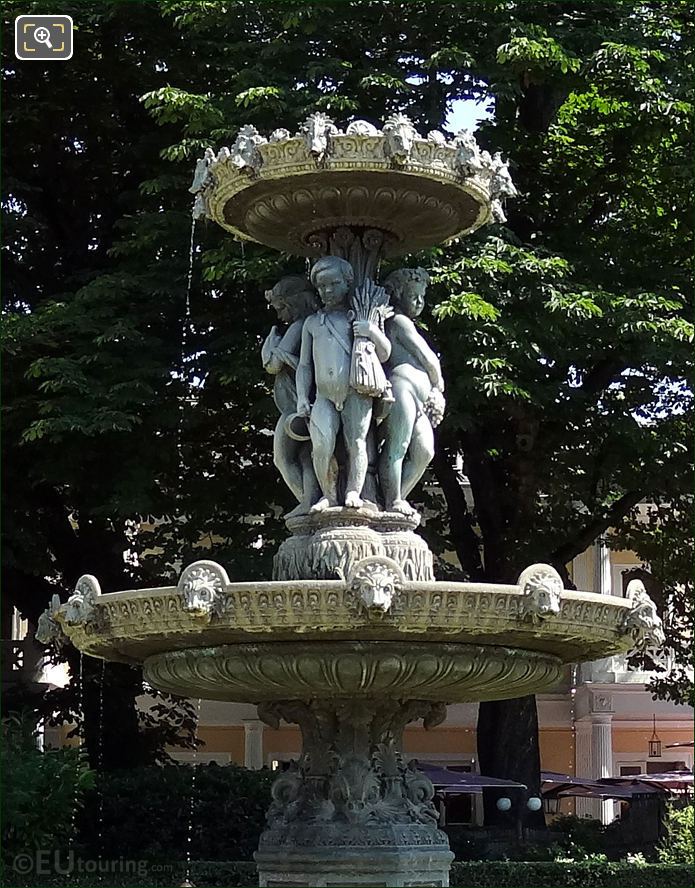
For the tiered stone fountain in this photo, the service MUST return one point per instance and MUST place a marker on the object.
(353, 638)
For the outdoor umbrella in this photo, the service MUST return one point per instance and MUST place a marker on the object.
(447, 781)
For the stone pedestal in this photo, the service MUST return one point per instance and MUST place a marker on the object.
(352, 811)
(327, 545)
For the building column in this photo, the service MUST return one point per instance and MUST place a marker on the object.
(253, 743)
(604, 578)
(594, 753)
(602, 756)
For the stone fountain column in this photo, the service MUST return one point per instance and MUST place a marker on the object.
(352, 811)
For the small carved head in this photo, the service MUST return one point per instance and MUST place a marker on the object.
(642, 622)
(334, 279)
(406, 288)
(467, 158)
(376, 580)
(202, 585)
(400, 135)
(244, 152)
(81, 605)
(541, 586)
(292, 297)
(48, 629)
(316, 132)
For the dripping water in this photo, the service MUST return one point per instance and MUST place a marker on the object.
(80, 752)
(183, 398)
(100, 768)
(192, 800)
(574, 670)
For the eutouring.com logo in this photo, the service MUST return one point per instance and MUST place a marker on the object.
(48, 862)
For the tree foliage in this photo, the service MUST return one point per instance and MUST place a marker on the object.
(564, 333)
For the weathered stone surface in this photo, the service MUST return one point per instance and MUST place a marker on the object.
(137, 624)
(360, 669)
(352, 797)
(419, 191)
(329, 544)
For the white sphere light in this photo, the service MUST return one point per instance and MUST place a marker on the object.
(504, 804)
(534, 804)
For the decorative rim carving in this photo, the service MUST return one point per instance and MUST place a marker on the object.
(284, 190)
(136, 624)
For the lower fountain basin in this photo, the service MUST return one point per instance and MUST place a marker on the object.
(325, 670)
(206, 612)
(352, 661)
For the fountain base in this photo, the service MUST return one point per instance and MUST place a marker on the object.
(352, 811)
(377, 865)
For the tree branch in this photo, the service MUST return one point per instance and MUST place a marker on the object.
(595, 528)
(602, 374)
(463, 535)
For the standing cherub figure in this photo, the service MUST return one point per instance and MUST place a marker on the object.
(324, 365)
(293, 299)
(416, 378)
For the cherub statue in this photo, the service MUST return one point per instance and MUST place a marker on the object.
(417, 387)
(324, 365)
(293, 299)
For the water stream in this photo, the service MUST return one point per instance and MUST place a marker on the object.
(185, 382)
(192, 801)
(80, 753)
(100, 767)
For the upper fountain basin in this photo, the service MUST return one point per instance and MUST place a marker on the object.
(288, 192)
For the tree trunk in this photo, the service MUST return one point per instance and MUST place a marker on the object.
(508, 748)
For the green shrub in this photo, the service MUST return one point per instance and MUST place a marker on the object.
(581, 837)
(558, 875)
(679, 843)
(214, 874)
(145, 813)
(41, 790)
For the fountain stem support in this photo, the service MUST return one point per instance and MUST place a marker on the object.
(352, 811)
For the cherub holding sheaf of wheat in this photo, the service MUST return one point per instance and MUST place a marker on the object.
(370, 308)
(325, 367)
